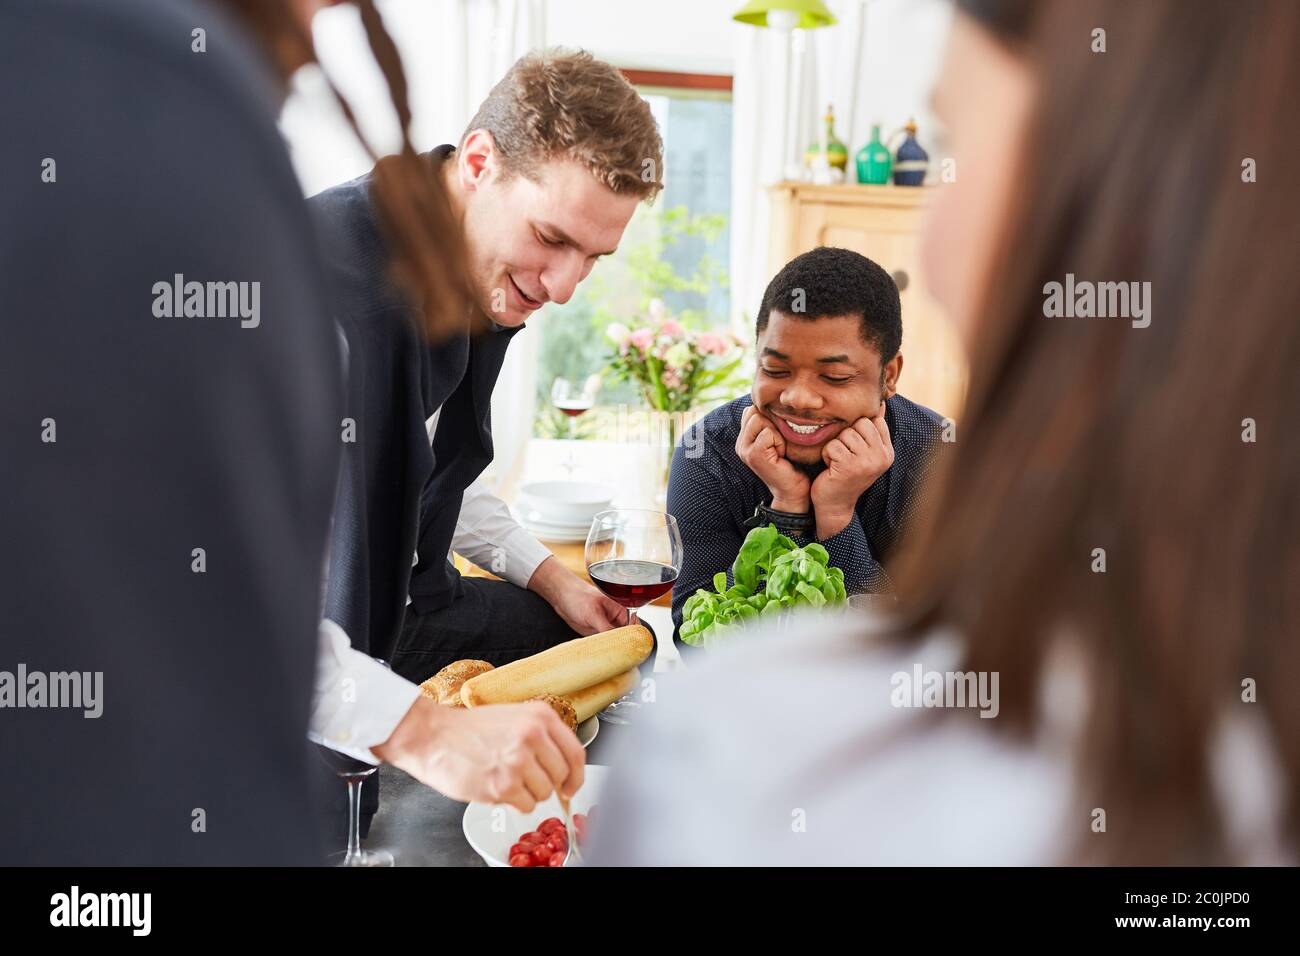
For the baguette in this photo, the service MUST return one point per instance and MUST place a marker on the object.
(592, 700)
(563, 708)
(562, 669)
(444, 686)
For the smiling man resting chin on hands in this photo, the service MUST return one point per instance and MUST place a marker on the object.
(824, 446)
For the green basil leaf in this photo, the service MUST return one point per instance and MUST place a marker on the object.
(757, 544)
(811, 594)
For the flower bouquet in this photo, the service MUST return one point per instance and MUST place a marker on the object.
(676, 369)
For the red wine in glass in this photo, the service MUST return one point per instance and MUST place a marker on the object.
(353, 772)
(633, 556)
(573, 407)
(633, 583)
(573, 399)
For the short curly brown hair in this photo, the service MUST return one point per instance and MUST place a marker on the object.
(564, 104)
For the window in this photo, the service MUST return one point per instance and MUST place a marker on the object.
(675, 250)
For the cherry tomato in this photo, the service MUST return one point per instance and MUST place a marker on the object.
(558, 843)
(521, 859)
(520, 847)
(532, 836)
(549, 824)
(556, 860)
(541, 853)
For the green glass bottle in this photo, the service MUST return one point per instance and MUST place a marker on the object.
(830, 146)
(874, 161)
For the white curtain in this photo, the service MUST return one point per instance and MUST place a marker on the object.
(875, 65)
(453, 52)
(471, 44)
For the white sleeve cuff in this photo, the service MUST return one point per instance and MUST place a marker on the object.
(358, 702)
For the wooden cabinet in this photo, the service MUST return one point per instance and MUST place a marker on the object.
(883, 223)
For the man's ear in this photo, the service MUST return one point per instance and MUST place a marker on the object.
(893, 369)
(476, 159)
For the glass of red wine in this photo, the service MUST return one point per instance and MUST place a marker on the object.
(574, 399)
(353, 772)
(634, 556)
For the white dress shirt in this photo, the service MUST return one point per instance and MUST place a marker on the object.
(358, 702)
(488, 535)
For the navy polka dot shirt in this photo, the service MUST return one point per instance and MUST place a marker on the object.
(712, 493)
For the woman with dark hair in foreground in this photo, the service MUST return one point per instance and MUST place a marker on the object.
(167, 480)
(1113, 557)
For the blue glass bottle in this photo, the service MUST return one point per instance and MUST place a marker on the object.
(911, 161)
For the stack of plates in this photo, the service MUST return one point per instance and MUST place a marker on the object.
(561, 511)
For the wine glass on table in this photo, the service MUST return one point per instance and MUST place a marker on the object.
(634, 556)
(574, 399)
(353, 772)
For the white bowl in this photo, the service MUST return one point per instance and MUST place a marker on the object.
(492, 829)
(564, 502)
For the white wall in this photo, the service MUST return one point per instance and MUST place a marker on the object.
(682, 35)
(903, 42)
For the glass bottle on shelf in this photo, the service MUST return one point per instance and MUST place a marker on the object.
(829, 148)
(873, 160)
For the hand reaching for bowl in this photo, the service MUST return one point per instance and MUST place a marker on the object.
(507, 753)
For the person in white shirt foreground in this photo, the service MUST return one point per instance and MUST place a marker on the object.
(1094, 654)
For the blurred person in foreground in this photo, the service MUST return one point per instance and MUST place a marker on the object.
(1114, 540)
(168, 475)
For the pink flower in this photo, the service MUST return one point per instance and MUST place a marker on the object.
(672, 327)
(642, 339)
(617, 333)
(710, 343)
(671, 379)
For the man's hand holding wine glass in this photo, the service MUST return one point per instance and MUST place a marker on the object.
(577, 601)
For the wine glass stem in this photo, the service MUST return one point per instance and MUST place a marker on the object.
(354, 817)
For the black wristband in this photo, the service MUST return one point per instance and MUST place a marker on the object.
(785, 521)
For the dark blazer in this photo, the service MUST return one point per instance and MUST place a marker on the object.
(397, 494)
(171, 434)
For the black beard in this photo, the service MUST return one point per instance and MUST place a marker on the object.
(812, 470)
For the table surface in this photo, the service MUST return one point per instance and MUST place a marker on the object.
(421, 827)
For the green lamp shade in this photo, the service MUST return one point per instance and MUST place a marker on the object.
(812, 13)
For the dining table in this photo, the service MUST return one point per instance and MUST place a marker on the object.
(421, 827)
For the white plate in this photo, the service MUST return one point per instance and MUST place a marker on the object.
(587, 731)
(541, 521)
(492, 829)
(547, 533)
(565, 502)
